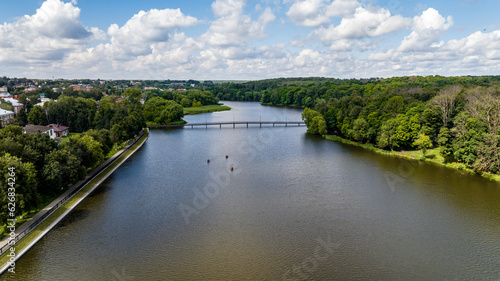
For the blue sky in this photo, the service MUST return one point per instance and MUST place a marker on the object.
(237, 39)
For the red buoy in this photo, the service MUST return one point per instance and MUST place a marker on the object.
(208, 160)
(232, 168)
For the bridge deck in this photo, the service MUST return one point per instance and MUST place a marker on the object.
(247, 123)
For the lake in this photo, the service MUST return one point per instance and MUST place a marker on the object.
(295, 207)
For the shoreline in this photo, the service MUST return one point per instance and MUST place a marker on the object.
(431, 157)
(26, 242)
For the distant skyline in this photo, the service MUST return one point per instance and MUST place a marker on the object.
(248, 40)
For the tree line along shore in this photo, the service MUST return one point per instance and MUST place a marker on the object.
(449, 120)
(453, 121)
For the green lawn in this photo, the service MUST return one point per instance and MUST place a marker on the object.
(66, 138)
(180, 122)
(205, 109)
(116, 147)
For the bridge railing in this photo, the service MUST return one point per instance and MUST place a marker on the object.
(234, 123)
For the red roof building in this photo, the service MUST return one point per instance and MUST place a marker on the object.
(60, 131)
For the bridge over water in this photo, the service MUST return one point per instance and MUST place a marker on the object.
(247, 123)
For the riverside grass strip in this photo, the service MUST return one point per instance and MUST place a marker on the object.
(205, 109)
(71, 203)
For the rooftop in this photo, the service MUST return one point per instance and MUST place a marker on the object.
(5, 112)
(33, 129)
(14, 102)
(58, 128)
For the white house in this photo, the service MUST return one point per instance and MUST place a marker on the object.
(4, 95)
(33, 129)
(15, 103)
(59, 130)
(43, 101)
(6, 117)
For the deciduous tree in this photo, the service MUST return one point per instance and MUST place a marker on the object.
(445, 100)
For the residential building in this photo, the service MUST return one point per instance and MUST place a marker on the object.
(15, 103)
(30, 88)
(3, 89)
(6, 117)
(43, 101)
(5, 95)
(59, 130)
(33, 129)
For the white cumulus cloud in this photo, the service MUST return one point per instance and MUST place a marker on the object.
(427, 28)
(234, 28)
(363, 24)
(308, 13)
(53, 32)
(136, 36)
(342, 8)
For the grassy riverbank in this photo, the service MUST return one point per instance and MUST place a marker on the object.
(20, 245)
(205, 109)
(432, 155)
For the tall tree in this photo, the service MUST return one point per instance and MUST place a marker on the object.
(315, 122)
(37, 116)
(484, 104)
(445, 100)
(26, 194)
(423, 142)
(388, 136)
(61, 168)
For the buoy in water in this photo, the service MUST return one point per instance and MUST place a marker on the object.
(232, 168)
(208, 160)
(227, 156)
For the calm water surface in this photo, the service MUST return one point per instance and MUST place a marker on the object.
(296, 207)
